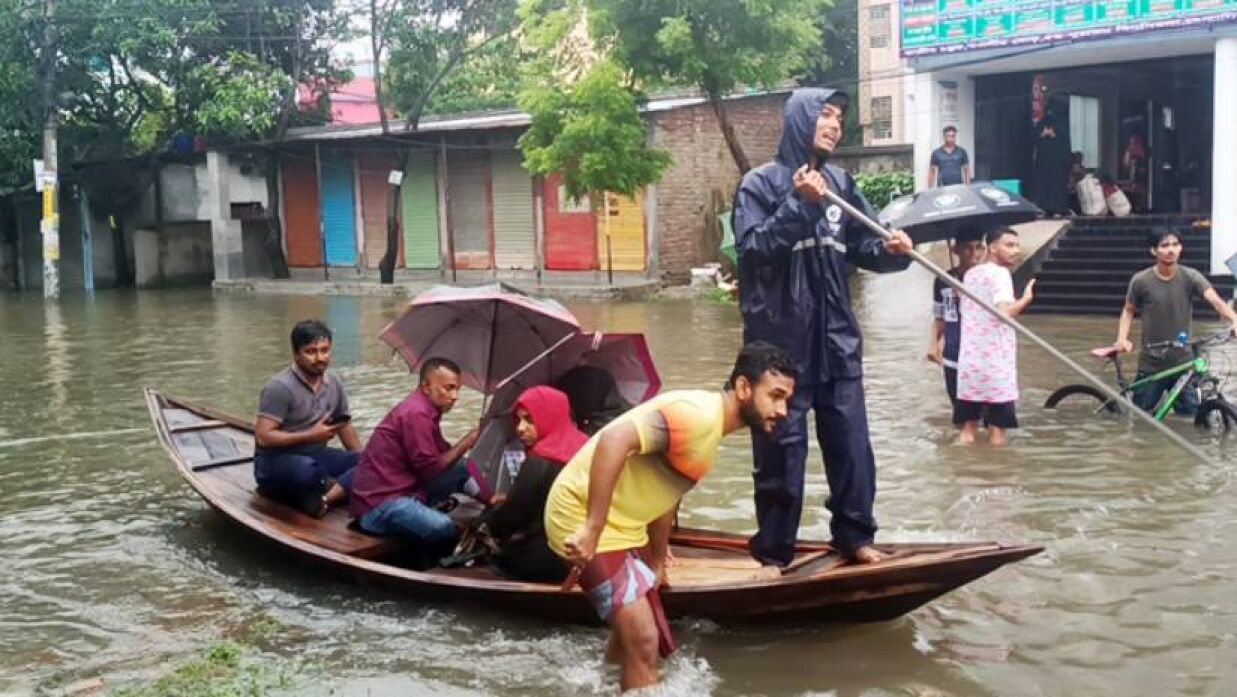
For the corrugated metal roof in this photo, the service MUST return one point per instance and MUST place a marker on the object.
(478, 122)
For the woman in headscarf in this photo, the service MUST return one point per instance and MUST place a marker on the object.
(543, 424)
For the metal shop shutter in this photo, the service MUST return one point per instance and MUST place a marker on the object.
(570, 230)
(468, 185)
(303, 237)
(374, 169)
(627, 248)
(514, 236)
(419, 203)
(338, 209)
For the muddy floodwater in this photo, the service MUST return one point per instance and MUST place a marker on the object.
(112, 569)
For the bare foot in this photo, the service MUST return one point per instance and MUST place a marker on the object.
(867, 555)
(335, 495)
(965, 438)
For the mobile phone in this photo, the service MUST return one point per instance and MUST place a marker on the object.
(337, 419)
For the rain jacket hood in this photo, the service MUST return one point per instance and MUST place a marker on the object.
(799, 124)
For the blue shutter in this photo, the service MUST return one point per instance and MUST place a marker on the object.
(338, 210)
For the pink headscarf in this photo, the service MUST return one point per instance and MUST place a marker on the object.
(558, 439)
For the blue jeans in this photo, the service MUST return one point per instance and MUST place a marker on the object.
(1147, 396)
(408, 518)
(299, 476)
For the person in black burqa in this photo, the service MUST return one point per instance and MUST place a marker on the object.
(794, 248)
(1050, 168)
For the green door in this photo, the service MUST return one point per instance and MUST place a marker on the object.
(419, 211)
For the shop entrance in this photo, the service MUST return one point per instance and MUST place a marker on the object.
(1145, 126)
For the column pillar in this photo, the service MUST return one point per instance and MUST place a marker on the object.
(227, 246)
(1223, 162)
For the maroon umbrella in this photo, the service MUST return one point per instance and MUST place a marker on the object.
(490, 331)
(625, 357)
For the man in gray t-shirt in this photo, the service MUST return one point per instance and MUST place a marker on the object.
(949, 164)
(301, 409)
(1164, 295)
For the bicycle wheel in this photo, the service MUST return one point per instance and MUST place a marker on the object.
(1216, 415)
(1081, 396)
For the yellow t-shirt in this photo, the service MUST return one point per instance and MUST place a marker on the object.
(680, 433)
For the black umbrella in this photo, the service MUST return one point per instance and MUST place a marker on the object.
(942, 213)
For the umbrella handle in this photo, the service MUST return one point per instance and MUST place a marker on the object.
(1017, 326)
(520, 371)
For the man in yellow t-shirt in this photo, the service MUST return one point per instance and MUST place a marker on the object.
(610, 510)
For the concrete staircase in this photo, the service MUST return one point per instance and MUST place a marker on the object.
(1089, 269)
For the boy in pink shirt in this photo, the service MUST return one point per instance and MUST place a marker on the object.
(987, 358)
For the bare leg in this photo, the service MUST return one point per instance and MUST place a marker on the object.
(966, 436)
(614, 649)
(997, 436)
(636, 631)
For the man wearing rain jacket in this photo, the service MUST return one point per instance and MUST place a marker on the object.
(794, 247)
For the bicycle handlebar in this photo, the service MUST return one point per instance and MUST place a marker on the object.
(1194, 346)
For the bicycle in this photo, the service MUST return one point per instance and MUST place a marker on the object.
(1214, 411)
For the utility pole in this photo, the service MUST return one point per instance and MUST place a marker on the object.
(50, 224)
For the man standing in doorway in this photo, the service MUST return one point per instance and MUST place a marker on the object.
(794, 249)
(1164, 295)
(950, 163)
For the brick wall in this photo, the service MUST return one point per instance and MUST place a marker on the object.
(701, 181)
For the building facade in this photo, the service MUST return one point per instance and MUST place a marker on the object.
(1142, 93)
(467, 205)
(881, 89)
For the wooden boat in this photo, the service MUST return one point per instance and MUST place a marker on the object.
(714, 577)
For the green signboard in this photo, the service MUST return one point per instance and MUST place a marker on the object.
(946, 26)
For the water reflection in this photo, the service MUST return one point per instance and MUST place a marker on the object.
(112, 567)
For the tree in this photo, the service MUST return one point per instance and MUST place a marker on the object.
(19, 117)
(586, 123)
(134, 74)
(491, 78)
(838, 65)
(591, 133)
(428, 40)
(716, 45)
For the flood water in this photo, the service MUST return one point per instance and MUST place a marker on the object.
(111, 568)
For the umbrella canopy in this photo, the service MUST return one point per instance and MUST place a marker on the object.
(625, 357)
(943, 213)
(491, 331)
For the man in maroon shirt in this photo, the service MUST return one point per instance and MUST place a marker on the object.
(408, 466)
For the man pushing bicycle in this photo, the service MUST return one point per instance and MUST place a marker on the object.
(1164, 295)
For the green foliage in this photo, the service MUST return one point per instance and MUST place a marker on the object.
(224, 670)
(234, 96)
(129, 74)
(490, 78)
(880, 189)
(19, 120)
(591, 132)
(717, 45)
(431, 41)
(838, 65)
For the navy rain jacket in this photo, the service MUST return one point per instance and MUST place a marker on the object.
(793, 254)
